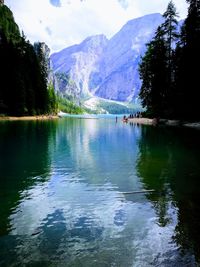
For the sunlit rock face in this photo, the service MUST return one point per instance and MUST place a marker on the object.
(43, 49)
(108, 68)
(78, 62)
(118, 67)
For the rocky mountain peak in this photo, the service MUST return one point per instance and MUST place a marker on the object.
(95, 41)
(77, 62)
(107, 68)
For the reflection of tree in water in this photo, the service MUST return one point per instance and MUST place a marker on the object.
(187, 229)
(153, 168)
(169, 163)
(186, 189)
(24, 161)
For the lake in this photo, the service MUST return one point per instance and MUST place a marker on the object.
(63, 198)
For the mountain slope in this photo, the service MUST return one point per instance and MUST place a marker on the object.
(107, 68)
(118, 68)
(77, 62)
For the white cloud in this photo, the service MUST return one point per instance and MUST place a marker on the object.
(70, 21)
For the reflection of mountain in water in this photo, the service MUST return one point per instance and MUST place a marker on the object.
(89, 145)
(71, 211)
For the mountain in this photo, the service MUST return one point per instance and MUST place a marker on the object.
(106, 68)
(74, 65)
(118, 68)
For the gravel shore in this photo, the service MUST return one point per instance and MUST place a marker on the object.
(28, 118)
(195, 125)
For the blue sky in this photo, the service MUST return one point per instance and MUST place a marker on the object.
(56, 3)
(61, 23)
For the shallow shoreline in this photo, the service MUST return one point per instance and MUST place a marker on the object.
(141, 121)
(29, 118)
(144, 121)
(195, 125)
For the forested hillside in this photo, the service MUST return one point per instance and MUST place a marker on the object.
(23, 77)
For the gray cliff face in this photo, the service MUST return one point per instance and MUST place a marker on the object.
(43, 49)
(108, 69)
(74, 65)
(52, 79)
(118, 68)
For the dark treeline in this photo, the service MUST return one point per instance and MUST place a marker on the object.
(170, 68)
(23, 83)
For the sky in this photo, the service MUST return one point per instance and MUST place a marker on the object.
(61, 23)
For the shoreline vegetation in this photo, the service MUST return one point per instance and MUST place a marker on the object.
(168, 70)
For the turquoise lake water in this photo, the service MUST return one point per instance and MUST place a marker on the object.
(62, 198)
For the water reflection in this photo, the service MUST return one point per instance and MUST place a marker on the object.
(24, 155)
(168, 163)
(66, 206)
(98, 152)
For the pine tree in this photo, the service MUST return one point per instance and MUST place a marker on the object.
(156, 68)
(187, 62)
(153, 72)
(170, 27)
(171, 36)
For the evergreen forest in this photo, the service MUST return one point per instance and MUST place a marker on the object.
(169, 70)
(24, 88)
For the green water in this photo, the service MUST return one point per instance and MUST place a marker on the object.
(61, 200)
